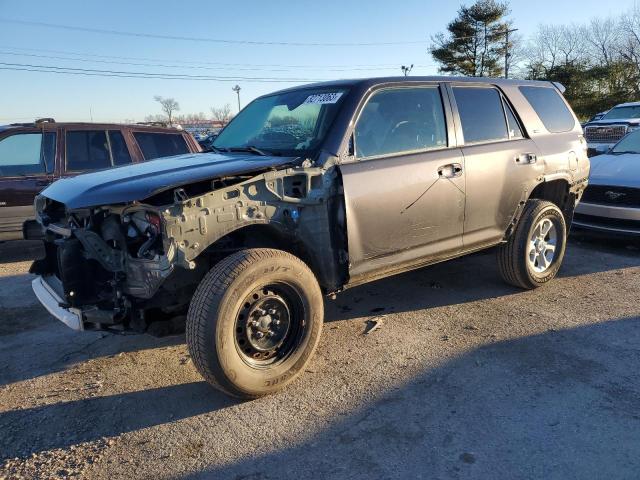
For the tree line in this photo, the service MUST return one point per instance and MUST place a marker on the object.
(170, 106)
(598, 62)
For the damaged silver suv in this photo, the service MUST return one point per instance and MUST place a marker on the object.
(310, 191)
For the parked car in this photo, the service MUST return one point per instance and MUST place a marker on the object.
(32, 155)
(611, 202)
(597, 116)
(604, 133)
(206, 143)
(312, 190)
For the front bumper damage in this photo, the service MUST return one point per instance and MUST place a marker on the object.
(51, 300)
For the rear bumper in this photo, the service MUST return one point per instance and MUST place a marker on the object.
(48, 297)
(607, 218)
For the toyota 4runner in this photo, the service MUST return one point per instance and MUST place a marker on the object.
(309, 191)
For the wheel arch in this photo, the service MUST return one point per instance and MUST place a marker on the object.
(270, 235)
(557, 191)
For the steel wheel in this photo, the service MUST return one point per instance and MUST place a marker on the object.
(269, 325)
(542, 246)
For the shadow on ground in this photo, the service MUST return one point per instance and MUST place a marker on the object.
(562, 405)
(70, 423)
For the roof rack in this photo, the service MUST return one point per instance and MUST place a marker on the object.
(37, 121)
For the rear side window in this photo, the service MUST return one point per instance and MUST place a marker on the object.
(87, 150)
(155, 145)
(481, 114)
(401, 120)
(27, 154)
(119, 150)
(550, 107)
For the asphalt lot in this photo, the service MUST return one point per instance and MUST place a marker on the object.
(464, 377)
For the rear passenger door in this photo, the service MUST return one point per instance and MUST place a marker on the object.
(88, 150)
(156, 145)
(404, 187)
(500, 161)
(27, 163)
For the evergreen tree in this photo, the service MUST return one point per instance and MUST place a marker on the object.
(474, 44)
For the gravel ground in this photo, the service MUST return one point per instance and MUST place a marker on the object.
(463, 377)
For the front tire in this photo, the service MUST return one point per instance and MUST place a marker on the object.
(254, 322)
(534, 252)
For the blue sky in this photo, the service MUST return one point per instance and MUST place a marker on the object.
(27, 95)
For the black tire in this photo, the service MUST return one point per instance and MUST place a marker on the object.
(513, 255)
(219, 334)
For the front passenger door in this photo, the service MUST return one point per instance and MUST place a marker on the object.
(404, 190)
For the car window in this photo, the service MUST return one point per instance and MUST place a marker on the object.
(291, 123)
(481, 114)
(401, 120)
(27, 154)
(616, 113)
(514, 127)
(119, 150)
(550, 107)
(87, 150)
(155, 145)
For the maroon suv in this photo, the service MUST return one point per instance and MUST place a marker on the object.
(32, 155)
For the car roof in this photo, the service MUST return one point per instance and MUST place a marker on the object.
(373, 81)
(110, 126)
(628, 104)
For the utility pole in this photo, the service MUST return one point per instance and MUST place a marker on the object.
(406, 70)
(506, 50)
(237, 90)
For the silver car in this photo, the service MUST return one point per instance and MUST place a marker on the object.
(611, 202)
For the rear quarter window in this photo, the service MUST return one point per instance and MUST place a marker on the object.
(550, 107)
(156, 145)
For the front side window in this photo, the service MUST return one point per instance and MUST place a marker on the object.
(27, 154)
(401, 120)
(87, 150)
(481, 113)
(550, 107)
(156, 145)
(290, 123)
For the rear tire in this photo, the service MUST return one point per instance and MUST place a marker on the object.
(534, 252)
(254, 322)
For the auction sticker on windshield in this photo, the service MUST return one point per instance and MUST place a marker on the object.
(323, 98)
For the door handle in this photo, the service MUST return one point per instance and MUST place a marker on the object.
(451, 170)
(526, 158)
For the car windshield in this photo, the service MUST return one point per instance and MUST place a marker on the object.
(629, 144)
(631, 111)
(291, 123)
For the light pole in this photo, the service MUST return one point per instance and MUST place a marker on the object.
(237, 90)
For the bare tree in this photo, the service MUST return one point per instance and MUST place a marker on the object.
(168, 105)
(221, 114)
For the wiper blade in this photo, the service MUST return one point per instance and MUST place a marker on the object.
(217, 149)
(248, 148)
(625, 152)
